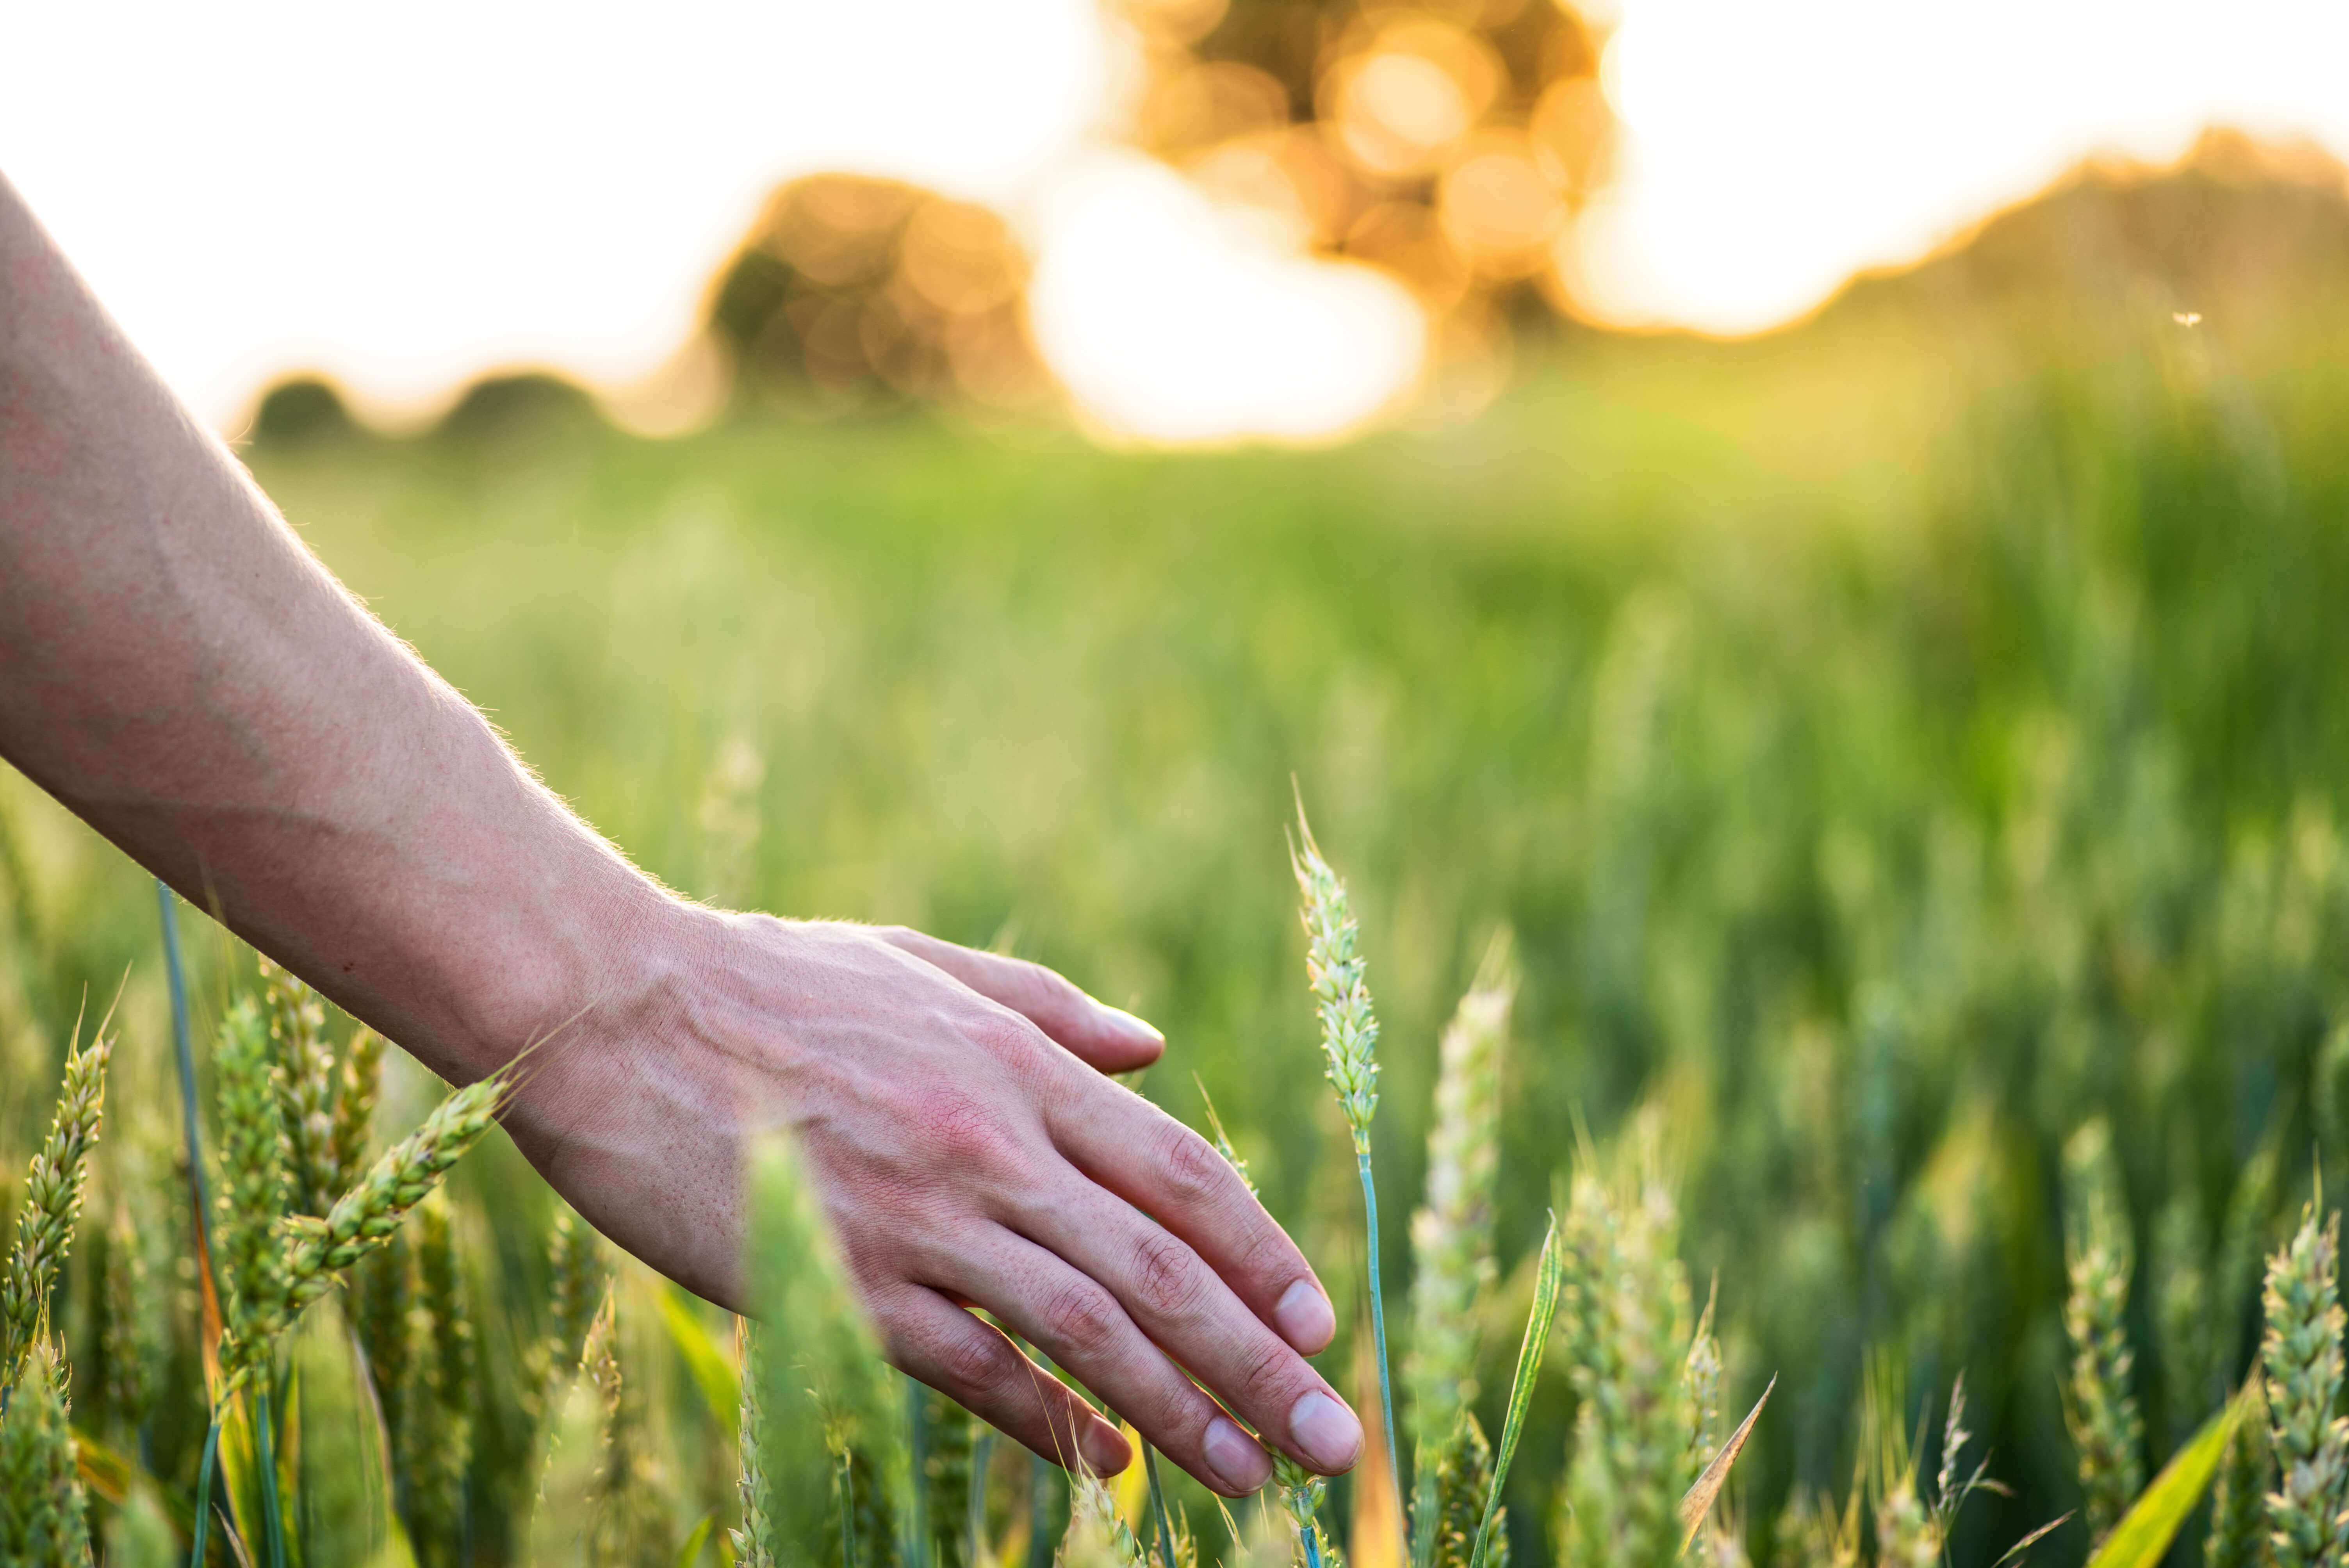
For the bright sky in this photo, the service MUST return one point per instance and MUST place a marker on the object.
(405, 196)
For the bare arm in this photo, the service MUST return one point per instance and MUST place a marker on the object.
(180, 672)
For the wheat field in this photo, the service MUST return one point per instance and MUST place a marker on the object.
(1845, 842)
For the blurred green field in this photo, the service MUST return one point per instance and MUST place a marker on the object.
(1892, 743)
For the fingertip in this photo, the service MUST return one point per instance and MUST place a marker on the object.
(1123, 1042)
(1105, 1449)
(1326, 1433)
(1305, 1318)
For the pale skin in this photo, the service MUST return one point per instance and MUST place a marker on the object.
(180, 672)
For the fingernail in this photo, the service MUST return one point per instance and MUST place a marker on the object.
(1327, 1431)
(1105, 1450)
(1304, 1317)
(1233, 1456)
(1126, 1024)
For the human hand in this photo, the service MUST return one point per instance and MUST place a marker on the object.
(952, 1108)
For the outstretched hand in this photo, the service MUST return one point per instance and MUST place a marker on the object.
(180, 672)
(952, 1108)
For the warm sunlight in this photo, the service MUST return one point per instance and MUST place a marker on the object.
(261, 186)
(1170, 322)
(1773, 150)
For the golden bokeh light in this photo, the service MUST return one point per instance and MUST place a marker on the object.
(1499, 209)
(1199, 106)
(1409, 95)
(851, 290)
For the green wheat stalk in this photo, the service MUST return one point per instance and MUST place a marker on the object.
(2101, 1409)
(53, 1197)
(754, 1540)
(1630, 1466)
(1350, 1038)
(1908, 1532)
(2300, 1353)
(305, 1084)
(127, 1348)
(383, 1292)
(357, 1088)
(1462, 1481)
(2239, 1514)
(579, 1276)
(439, 1422)
(44, 1518)
(1452, 1234)
(624, 1529)
(946, 1467)
(302, 1255)
(254, 1177)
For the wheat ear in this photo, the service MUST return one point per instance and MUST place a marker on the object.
(52, 1200)
(2300, 1353)
(2238, 1512)
(1452, 1234)
(2100, 1407)
(1350, 1038)
(44, 1520)
(357, 1088)
(316, 1250)
(754, 1540)
(306, 1085)
(1631, 1460)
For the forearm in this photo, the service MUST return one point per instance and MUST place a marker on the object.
(179, 671)
(176, 668)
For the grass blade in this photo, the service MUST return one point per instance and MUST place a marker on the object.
(1698, 1502)
(1546, 1279)
(204, 1473)
(1158, 1507)
(2016, 1551)
(2152, 1521)
(713, 1374)
(691, 1552)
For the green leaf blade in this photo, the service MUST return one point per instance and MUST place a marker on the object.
(2153, 1520)
(1547, 1280)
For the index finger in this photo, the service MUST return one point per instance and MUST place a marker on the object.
(1154, 1162)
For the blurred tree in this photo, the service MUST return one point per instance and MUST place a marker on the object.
(520, 407)
(851, 290)
(302, 408)
(1450, 142)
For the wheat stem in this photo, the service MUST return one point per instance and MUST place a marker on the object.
(1350, 1037)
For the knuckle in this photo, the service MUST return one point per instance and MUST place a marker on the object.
(1046, 988)
(965, 1131)
(1193, 1171)
(1006, 1035)
(1082, 1321)
(1166, 1275)
(976, 1357)
(1263, 1254)
(1263, 1373)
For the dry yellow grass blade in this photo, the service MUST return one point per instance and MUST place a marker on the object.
(1698, 1501)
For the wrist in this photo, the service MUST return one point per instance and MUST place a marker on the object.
(594, 960)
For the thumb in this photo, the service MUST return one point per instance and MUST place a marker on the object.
(1105, 1038)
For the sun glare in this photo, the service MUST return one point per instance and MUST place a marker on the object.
(1172, 322)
